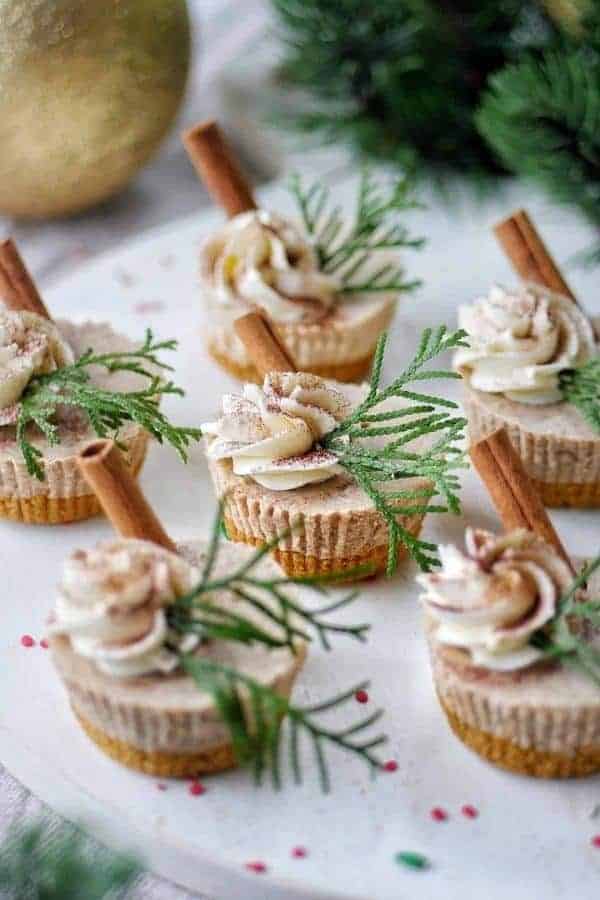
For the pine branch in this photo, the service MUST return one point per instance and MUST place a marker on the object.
(424, 415)
(285, 619)
(255, 717)
(347, 251)
(572, 636)
(401, 80)
(107, 411)
(37, 862)
(581, 387)
(541, 117)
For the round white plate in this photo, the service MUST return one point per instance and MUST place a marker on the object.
(531, 839)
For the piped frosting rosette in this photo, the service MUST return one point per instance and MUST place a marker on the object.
(491, 599)
(260, 260)
(520, 341)
(29, 345)
(112, 605)
(269, 433)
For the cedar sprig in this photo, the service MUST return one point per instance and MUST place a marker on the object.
(107, 411)
(37, 861)
(285, 619)
(394, 458)
(570, 636)
(257, 717)
(347, 251)
(581, 387)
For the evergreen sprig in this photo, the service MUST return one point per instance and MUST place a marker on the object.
(107, 411)
(570, 636)
(40, 863)
(255, 716)
(542, 119)
(581, 387)
(375, 228)
(269, 614)
(395, 459)
(285, 618)
(401, 80)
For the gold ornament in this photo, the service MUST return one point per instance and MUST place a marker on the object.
(88, 89)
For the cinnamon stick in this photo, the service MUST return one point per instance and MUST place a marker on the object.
(511, 489)
(102, 465)
(218, 169)
(529, 255)
(17, 287)
(263, 348)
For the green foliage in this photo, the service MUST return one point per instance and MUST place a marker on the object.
(572, 636)
(255, 716)
(106, 410)
(581, 387)
(396, 458)
(287, 618)
(253, 713)
(401, 79)
(375, 228)
(542, 119)
(37, 863)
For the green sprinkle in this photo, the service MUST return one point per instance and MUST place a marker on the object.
(223, 528)
(412, 860)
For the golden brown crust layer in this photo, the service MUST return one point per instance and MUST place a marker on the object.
(346, 372)
(297, 564)
(162, 765)
(524, 760)
(41, 509)
(575, 496)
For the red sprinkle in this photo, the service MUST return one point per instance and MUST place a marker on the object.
(390, 766)
(27, 641)
(469, 811)
(256, 866)
(438, 814)
(362, 697)
(161, 787)
(299, 852)
(596, 841)
(196, 789)
(44, 644)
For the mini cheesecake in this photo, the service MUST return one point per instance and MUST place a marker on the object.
(260, 261)
(63, 496)
(519, 343)
(116, 658)
(501, 696)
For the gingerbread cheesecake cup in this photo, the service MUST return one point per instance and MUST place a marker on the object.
(62, 384)
(282, 484)
(118, 653)
(511, 657)
(261, 261)
(524, 347)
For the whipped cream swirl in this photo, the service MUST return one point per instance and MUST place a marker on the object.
(261, 260)
(111, 604)
(521, 340)
(493, 598)
(29, 345)
(270, 432)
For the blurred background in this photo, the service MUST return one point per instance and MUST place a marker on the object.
(464, 94)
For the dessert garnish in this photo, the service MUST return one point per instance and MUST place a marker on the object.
(265, 260)
(293, 406)
(268, 612)
(535, 345)
(518, 594)
(39, 376)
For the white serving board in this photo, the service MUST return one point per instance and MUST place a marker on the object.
(531, 839)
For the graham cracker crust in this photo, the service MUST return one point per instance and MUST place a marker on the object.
(348, 372)
(157, 763)
(575, 496)
(298, 565)
(524, 760)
